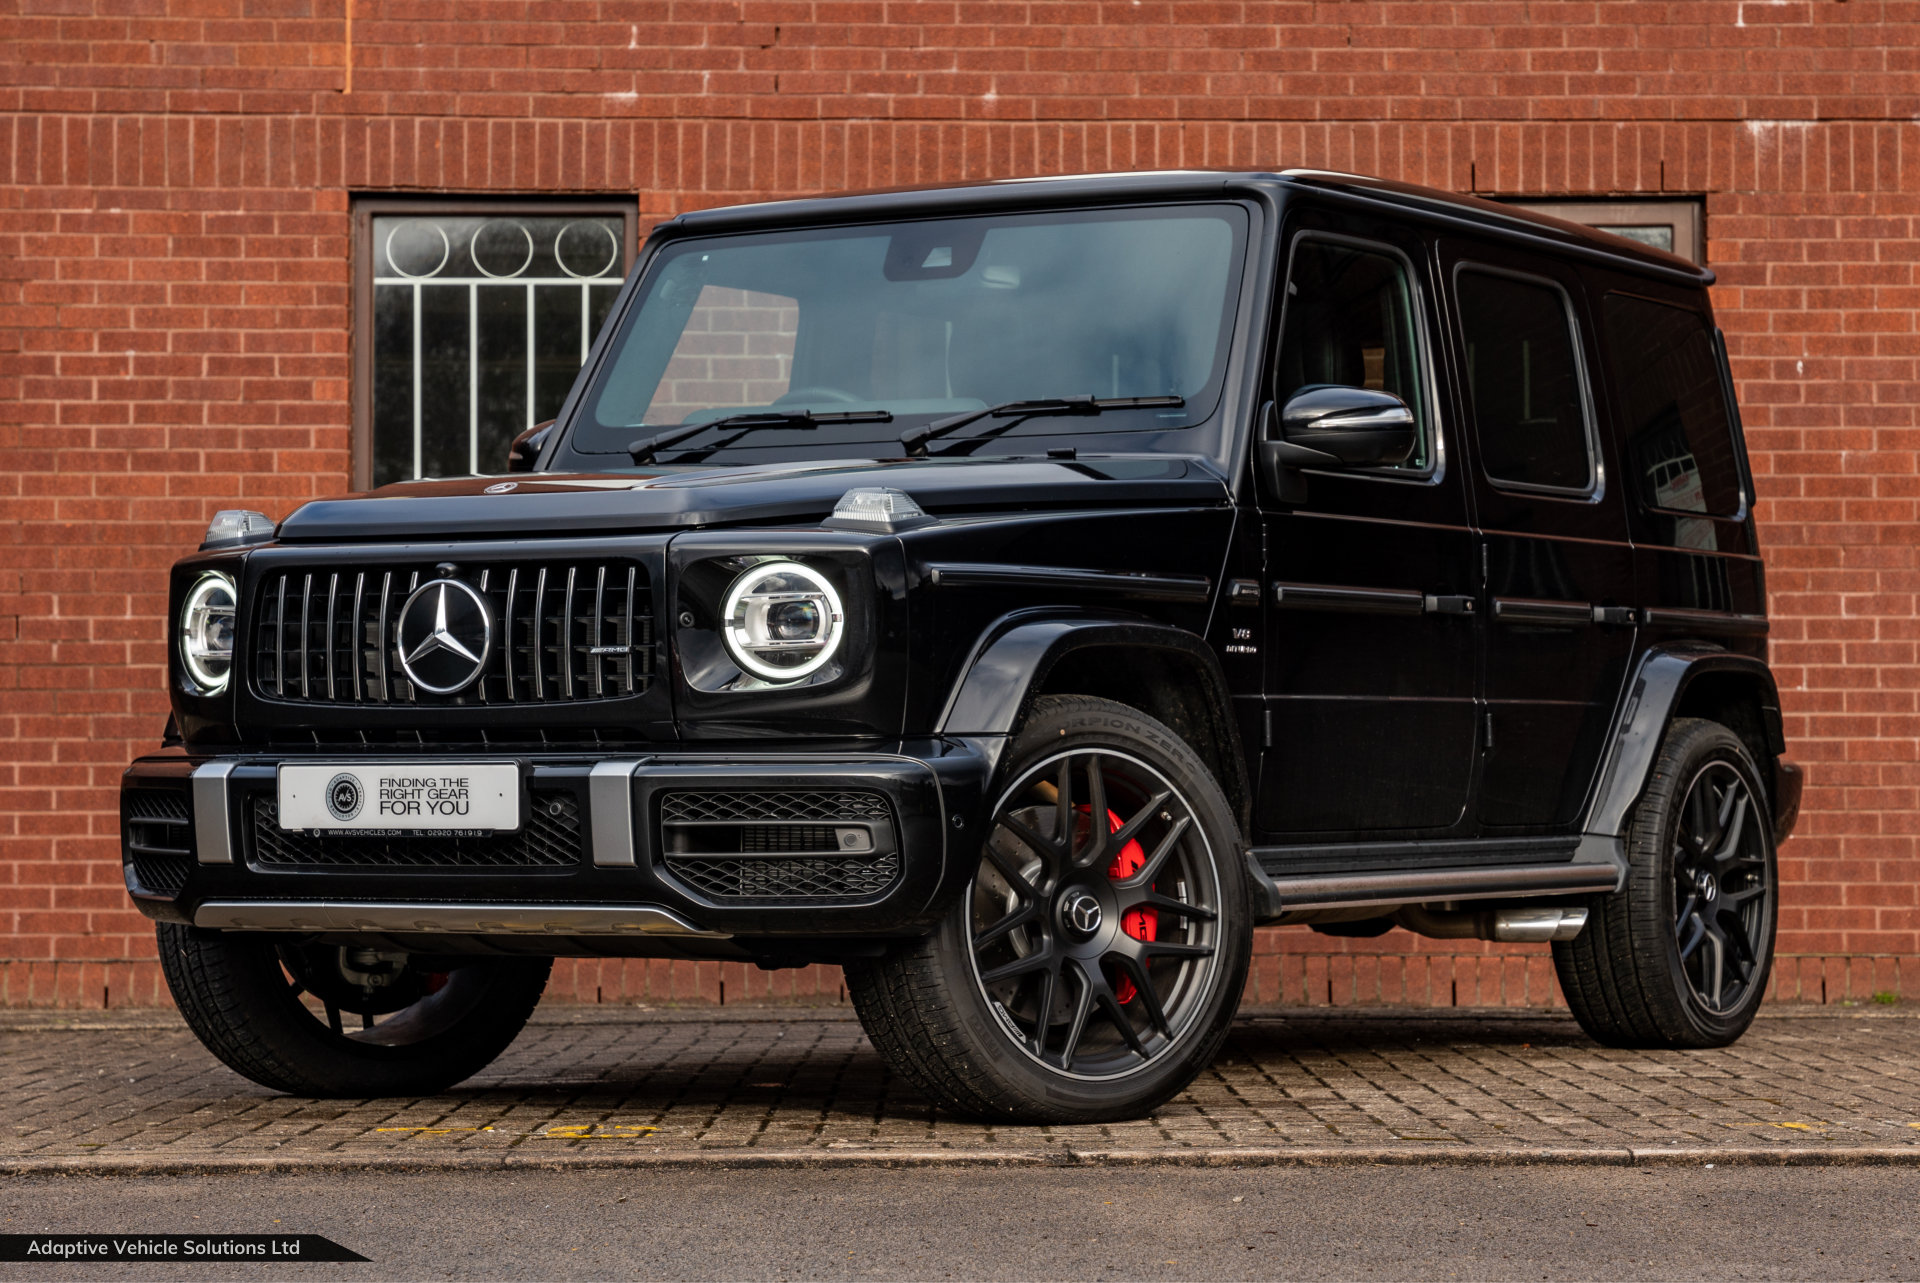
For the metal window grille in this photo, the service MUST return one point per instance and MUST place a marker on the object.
(476, 324)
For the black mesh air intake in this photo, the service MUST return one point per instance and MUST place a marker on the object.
(747, 844)
(549, 838)
(157, 829)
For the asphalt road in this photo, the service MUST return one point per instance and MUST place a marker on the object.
(1094, 1223)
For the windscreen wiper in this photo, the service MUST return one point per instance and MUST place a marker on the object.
(644, 449)
(915, 439)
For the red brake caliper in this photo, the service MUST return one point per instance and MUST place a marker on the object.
(1142, 922)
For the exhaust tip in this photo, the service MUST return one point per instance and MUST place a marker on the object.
(1537, 925)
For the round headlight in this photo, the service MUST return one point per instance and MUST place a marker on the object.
(206, 632)
(783, 621)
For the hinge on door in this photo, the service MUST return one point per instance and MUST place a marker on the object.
(1489, 744)
(1266, 730)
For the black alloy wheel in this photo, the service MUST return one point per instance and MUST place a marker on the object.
(1680, 955)
(1093, 942)
(324, 1019)
(1721, 887)
(1092, 966)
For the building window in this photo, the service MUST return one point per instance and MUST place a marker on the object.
(471, 320)
(1677, 226)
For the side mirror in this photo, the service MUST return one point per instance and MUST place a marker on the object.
(1357, 426)
(1326, 425)
(527, 446)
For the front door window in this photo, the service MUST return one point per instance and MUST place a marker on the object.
(1350, 322)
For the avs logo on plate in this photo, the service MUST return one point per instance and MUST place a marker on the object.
(345, 796)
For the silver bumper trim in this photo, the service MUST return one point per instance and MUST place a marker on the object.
(212, 844)
(448, 919)
(610, 811)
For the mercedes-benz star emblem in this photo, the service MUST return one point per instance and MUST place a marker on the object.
(445, 634)
(1081, 913)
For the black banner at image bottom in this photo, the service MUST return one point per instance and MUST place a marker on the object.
(283, 1248)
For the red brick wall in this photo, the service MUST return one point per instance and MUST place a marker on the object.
(174, 184)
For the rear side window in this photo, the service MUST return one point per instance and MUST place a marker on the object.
(1680, 450)
(1525, 382)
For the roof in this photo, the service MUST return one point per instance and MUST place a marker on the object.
(1426, 202)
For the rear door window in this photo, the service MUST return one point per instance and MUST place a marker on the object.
(1678, 434)
(1529, 405)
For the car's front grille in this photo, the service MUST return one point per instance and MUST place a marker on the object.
(562, 632)
(159, 838)
(749, 844)
(549, 838)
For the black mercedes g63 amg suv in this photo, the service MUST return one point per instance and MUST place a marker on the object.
(1013, 593)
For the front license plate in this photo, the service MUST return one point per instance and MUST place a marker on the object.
(475, 797)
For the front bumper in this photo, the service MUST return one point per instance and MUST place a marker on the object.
(626, 854)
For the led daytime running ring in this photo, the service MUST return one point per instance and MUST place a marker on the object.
(206, 632)
(751, 618)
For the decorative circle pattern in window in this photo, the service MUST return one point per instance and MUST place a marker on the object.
(480, 323)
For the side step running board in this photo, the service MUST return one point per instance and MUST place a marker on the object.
(1416, 886)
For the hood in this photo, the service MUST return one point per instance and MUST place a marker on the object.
(547, 503)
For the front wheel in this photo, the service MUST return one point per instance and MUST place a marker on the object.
(1679, 957)
(1092, 968)
(341, 1020)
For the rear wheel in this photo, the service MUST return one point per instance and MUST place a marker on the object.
(1680, 956)
(1093, 966)
(341, 1020)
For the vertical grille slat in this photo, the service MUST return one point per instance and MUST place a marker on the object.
(333, 589)
(626, 633)
(538, 649)
(506, 629)
(596, 655)
(280, 642)
(413, 583)
(566, 636)
(480, 687)
(359, 635)
(584, 635)
(380, 636)
(306, 639)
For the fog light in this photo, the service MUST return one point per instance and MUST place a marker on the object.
(783, 621)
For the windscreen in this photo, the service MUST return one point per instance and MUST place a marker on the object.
(923, 321)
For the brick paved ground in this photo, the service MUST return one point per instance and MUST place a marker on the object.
(779, 1085)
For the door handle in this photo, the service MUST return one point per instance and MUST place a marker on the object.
(1364, 601)
(1534, 610)
(1368, 601)
(1615, 616)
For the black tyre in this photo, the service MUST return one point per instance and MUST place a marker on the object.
(1680, 956)
(384, 1026)
(1093, 967)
